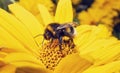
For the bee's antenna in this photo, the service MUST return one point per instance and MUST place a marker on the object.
(42, 42)
(38, 35)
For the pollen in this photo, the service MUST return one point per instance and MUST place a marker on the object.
(51, 54)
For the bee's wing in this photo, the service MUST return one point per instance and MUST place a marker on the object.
(63, 26)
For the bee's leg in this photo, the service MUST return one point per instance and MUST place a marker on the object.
(51, 41)
(71, 43)
(60, 42)
(70, 40)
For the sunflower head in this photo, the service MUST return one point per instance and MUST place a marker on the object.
(51, 54)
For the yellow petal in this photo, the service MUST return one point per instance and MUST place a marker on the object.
(98, 44)
(31, 70)
(82, 39)
(27, 4)
(27, 19)
(112, 67)
(85, 18)
(64, 11)
(8, 69)
(107, 54)
(2, 54)
(46, 17)
(39, 18)
(81, 32)
(20, 28)
(18, 35)
(83, 35)
(104, 32)
(72, 64)
(24, 61)
(97, 32)
(17, 57)
(102, 54)
(7, 40)
(2, 63)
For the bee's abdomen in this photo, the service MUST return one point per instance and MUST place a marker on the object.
(70, 31)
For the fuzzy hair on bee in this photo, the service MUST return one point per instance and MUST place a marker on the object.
(58, 31)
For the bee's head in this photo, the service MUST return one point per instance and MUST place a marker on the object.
(47, 35)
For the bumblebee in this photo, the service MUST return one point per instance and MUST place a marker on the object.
(58, 31)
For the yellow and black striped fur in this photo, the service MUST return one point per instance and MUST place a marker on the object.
(58, 31)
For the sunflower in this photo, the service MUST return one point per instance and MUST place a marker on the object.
(101, 11)
(31, 5)
(96, 49)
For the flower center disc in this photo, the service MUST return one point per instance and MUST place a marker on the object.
(51, 54)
